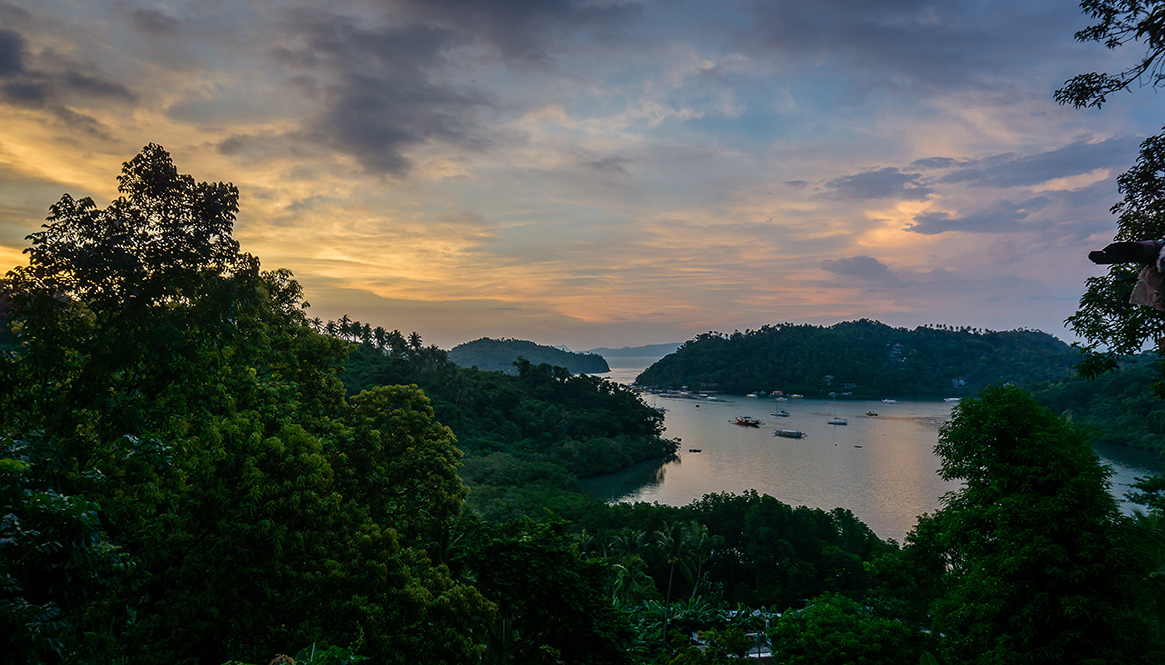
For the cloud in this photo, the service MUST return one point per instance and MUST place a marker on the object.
(1000, 217)
(881, 183)
(49, 80)
(911, 44)
(863, 267)
(381, 92)
(521, 30)
(153, 22)
(1076, 158)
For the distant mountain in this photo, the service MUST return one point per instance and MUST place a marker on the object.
(498, 355)
(864, 358)
(649, 350)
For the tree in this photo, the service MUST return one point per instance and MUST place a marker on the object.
(168, 412)
(1119, 22)
(552, 604)
(835, 630)
(1112, 325)
(1035, 554)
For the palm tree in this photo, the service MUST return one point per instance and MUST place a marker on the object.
(674, 541)
(415, 340)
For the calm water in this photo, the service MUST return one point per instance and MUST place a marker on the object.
(882, 468)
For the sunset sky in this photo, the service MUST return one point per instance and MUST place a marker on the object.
(598, 172)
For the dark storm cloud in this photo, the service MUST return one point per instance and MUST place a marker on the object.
(385, 86)
(1000, 217)
(881, 183)
(864, 267)
(11, 53)
(381, 94)
(153, 22)
(524, 29)
(912, 43)
(1073, 159)
(24, 83)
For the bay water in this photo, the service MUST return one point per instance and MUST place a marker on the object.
(881, 467)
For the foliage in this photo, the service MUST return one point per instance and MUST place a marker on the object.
(552, 605)
(837, 630)
(1034, 558)
(1117, 408)
(1119, 22)
(528, 436)
(500, 355)
(170, 412)
(1113, 326)
(864, 358)
(759, 551)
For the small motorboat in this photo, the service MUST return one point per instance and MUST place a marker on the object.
(695, 450)
(871, 414)
(837, 421)
(781, 413)
(747, 421)
(790, 433)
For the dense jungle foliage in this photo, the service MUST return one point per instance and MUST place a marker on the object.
(187, 478)
(866, 358)
(499, 355)
(527, 437)
(1118, 407)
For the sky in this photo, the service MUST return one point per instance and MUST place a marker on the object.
(599, 172)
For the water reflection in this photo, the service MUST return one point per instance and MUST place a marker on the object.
(882, 467)
(627, 483)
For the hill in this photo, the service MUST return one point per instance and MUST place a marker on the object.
(499, 355)
(657, 350)
(865, 358)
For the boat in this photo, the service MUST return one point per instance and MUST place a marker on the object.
(837, 421)
(752, 395)
(781, 413)
(747, 421)
(951, 399)
(790, 433)
(889, 401)
(871, 413)
(695, 450)
(782, 399)
(796, 396)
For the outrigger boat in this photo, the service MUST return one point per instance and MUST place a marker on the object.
(747, 421)
(781, 413)
(790, 433)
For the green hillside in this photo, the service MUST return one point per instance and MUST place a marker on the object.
(865, 358)
(499, 355)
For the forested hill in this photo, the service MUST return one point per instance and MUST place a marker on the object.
(865, 357)
(498, 355)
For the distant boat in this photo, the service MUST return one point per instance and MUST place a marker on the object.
(753, 395)
(747, 421)
(782, 399)
(951, 399)
(837, 421)
(870, 413)
(790, 433)
(695, 450)
(889, 401)
(781, 413)
(796, 396)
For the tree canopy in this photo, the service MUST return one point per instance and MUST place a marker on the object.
(175, 434)
(1118, 23)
